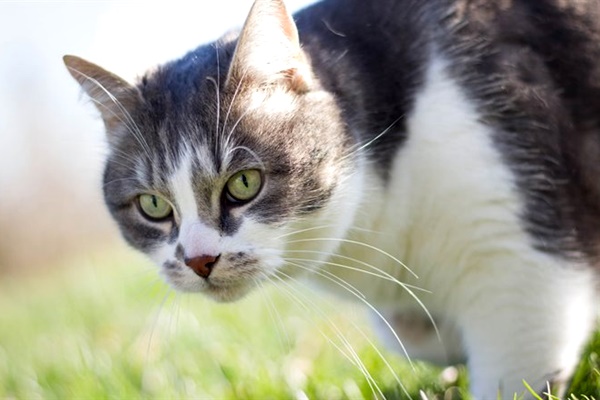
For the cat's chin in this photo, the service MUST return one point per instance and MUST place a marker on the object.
(220, 293)
(226, 294)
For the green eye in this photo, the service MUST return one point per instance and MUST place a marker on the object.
(154, 207)
(244, 185)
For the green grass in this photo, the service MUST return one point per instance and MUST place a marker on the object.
(108, 329)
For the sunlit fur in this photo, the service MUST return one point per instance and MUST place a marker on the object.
(413, 169)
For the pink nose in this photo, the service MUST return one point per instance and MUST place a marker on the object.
(202, 265)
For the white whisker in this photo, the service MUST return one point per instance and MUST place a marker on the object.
(217, 95)
(218, 87)
(367, 144)
(161, 305)
(302, 231)
(382, 274)
(329, 275)
(361, 366)
(368, 304)
(274, 315)
(346, 285)
(401, 284)
(233, 98)
(294, 297)
(247, 149)
(230, 134)
(128, 122)
(377, 249)
(119, 180)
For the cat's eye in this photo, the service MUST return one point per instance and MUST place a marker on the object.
(154, 207)
(244, 186)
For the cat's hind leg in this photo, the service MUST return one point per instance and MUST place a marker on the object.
(419, 338)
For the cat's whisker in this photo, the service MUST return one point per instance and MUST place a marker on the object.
(129, 124)
(382, 274)
(351, 228)
(125, 163)
(124, 157)
(309, 307)
(274, 315)
(247, 149)
(173, 315)
(371, 141)
(217, 95)
(328, 275)
(129, 121)
(119, 180)
(354, 291)
(232, 130)
(178, 300)
(302, 231)
(127, 167)
(111, 150)
(158, 312)
(314, 228)
(233, 99)
(294, 297)
(358, 362)
(362, 244)
(401, 284)
(345, 285)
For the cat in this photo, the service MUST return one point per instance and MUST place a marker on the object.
(380, 148)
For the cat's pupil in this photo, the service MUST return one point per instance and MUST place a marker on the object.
(154, 201)
(245, 180)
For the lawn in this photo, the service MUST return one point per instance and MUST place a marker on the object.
(105, 327)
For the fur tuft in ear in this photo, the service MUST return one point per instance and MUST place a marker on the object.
(113, 96)
(268, 50)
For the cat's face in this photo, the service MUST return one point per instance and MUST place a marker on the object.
(224, 176)
(233, 192)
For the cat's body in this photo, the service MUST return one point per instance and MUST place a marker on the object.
(451, 146)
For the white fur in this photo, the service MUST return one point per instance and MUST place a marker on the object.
(181, 185)
(450, 213)
(197, 238)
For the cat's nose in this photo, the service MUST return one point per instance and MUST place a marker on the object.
(202, 265)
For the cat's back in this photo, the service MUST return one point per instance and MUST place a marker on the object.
(530, 69)
(533, 67)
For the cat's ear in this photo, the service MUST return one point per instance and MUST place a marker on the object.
(268, 50)
(113, 96)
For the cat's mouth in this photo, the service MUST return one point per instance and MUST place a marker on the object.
(224, 284)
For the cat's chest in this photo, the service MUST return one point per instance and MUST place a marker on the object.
(450, 202)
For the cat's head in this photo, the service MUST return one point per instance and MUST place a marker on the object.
(228, 163)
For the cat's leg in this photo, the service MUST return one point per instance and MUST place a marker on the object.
(526, 326)
(418, 336)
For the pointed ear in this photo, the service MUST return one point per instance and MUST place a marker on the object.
(113, 96)
(268, 49)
